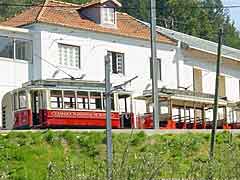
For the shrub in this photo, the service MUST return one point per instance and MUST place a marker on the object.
(138, 138)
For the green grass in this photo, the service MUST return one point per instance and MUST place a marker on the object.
(69, 155)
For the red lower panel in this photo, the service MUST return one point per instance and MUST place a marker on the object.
(23, 119)
(61, 118)
(235, 125)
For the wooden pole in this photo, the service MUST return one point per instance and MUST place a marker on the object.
(215, 109)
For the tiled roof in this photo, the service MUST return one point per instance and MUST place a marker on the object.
(67, 15)
(200, 44)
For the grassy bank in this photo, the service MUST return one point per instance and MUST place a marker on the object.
(69, 155)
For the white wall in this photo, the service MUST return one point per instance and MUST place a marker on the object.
(229, 69)
(208, 67)
(94, 47)
(232, 90)
(13, 72)
(12, 75)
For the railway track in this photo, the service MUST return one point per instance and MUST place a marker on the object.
(147, 131)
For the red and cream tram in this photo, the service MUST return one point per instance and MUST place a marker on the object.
(59, 104)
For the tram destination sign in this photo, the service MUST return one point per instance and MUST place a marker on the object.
(80, 114)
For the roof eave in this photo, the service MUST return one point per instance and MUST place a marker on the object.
(96, 31)
(14, 29)
(213, 53)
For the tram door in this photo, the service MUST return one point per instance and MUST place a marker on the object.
(35, 107)
(126, 116)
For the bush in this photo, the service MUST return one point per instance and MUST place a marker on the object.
(138, 138)
(50, 137)
(137, 156)
(88, 143)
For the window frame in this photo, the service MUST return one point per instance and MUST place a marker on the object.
(15, 49)
(72, 99)
(13, 46)
(60, 101)
(84, 102)
(4, 114)
(109, 17)
(14, 58)
(113, 102)
(61, 60)
(94, 97)
(15, 101)
(20, 100)
(114, 55)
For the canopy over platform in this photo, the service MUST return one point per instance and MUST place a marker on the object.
(186, 108)
(183, 97)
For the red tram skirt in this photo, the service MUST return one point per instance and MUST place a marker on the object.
(76, 119)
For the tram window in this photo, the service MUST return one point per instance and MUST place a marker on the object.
(112, 102)
(15, 100)
(95, 100)
(4, 116)
(22, 100)
(56, 99)
(69, 100)
(82, 100)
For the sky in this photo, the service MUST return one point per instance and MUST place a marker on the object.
(234, 12)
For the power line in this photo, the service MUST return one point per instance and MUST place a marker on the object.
(81, 5)
(127, 19)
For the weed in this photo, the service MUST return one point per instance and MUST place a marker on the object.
(81, 156)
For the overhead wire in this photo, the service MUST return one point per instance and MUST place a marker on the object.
(127, 19)
(163, 19)
(68, 5)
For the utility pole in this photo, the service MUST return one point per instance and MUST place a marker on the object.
(108, 92)
(215, 109)
(154, 66)
(108, 117)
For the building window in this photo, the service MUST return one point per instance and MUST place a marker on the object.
(56, 99)
(23, 48)
(82, 100)
(117, 62)
(22, 100)
(159, 68)
(6, 47)
(69, 55)
(109, 15)
(69, 100)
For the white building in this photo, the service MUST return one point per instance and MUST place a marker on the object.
(197, 66)
(62, 39)
(74, 39)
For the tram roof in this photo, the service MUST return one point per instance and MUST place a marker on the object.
(183, 95)
(65, 84)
